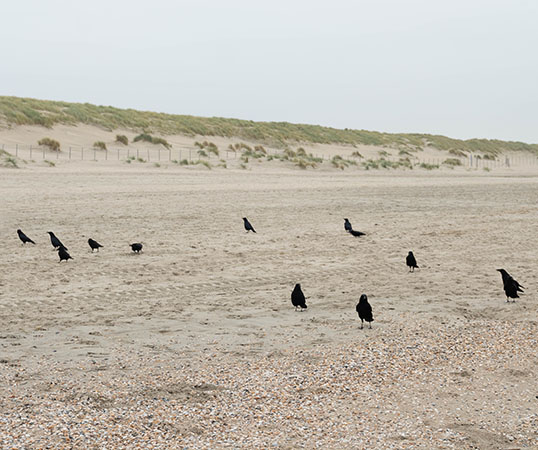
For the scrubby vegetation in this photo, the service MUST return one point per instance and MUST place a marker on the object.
(428, 166)
(341, 163)
(50, 143)
(122, 139)
(457, 152)
(100, 145)
(130, 159)
(207, 147)
(151, 139)
(299, 157)
(382, 163)
(452, 162)
(26, 111)
(8, 160)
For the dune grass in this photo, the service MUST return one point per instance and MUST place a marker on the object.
(452, 162)
(99, 145)
(146, 137)
(52, 144)
(27, 111)
(207, 147)
(122, 139)
(8, 160)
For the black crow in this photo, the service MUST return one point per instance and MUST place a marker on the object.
(55, 241)
(136, 247)
(364, 310)
(411, 262)
(62, 253)
(94, 244)
(248, 225)
(297, 298)
(356, 233)
(511, 286)
(24, 238)
(347, 225)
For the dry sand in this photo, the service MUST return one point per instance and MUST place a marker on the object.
(194, 342)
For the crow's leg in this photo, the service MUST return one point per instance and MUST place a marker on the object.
(370, 325)
(362, 324)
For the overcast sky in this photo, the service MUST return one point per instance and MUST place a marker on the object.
(463, 68)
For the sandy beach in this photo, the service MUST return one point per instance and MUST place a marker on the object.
(194, 343)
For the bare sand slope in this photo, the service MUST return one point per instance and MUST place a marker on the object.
(195, 343)
(84, 136)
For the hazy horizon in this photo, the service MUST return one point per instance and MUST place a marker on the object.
(464, 69)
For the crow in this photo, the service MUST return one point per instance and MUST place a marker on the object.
(24, 238)
(364, 310)
(411, 262)
(62, 253)
(94, 244)
(511, 286)
(136, 247)
(55, 241)
(356, 233)
(347, 225)
(297, 298)
(248, 225)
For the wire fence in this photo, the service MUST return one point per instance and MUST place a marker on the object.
(190, 154)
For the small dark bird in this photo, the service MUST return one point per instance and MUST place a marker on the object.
(411, 262)
(364, 310)
(248, 225)
(356, 233)
(347, 225)
(62, 253)
(136, 247)
(24, 238)
(94, 244)
(55, 241)
(297, 298)
(511, 286)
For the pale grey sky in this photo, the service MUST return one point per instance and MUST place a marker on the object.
(463, 68)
